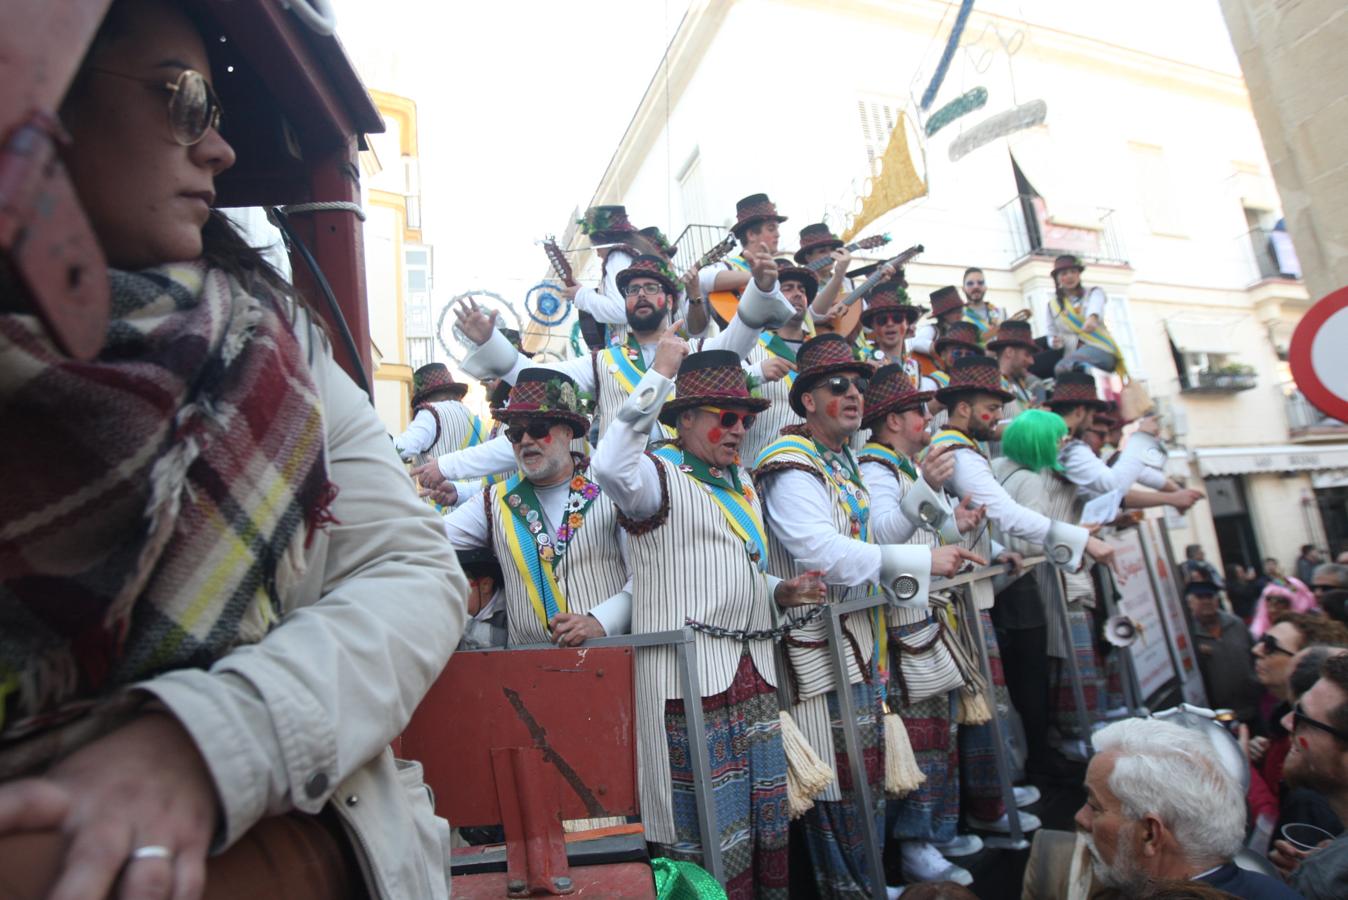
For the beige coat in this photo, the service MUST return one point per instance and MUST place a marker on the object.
(303, 719)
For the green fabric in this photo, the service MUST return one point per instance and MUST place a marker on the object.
(1032, 439)
(675, 880)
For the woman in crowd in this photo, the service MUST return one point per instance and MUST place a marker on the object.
(221, 597)
(1281, 596)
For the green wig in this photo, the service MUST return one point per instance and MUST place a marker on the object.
(1032, 439)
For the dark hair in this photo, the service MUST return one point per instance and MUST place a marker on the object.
(1335, 670)
(969, 271)
(1178, 890)
(1306, 548)
(1315, 629)
(1335, 605)
(1307, 670)
(939, 890)
(1192, 549)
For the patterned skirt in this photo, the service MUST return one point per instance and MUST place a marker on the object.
(982, 786)
(931, 812)
(748, 785)
(1063, 714)
(833, 829)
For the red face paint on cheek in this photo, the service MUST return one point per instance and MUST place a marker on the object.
(1303, 743)
(715, 435)
(832, 408)
(547, 439)
(985, 417)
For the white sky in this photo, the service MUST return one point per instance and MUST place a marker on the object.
(521, 104)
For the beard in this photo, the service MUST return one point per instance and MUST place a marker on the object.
(1123, 874)
(645, 322)
(980, 430)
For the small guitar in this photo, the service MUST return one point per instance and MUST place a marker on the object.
(878, 275)
(869, 243)
(557, 258)
(717, 253)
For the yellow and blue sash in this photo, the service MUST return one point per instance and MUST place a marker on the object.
(978, 320)
(775, 346)
(881, 452)
(941, 378)
(1100, 338)
(730, 497)
(853, 500)
(951, 436)
(474, 436)
(628, 365)
(536, 561)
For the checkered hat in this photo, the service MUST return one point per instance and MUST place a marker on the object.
(788, 272)
(977, 374)
(545, 394)
(647, 266)
(961, 334)
(822, 357)
(812, 237)
(890, 296)
(1013, 333)
(891, 390)
(657, 237)
(1067, 261)
(606, 224)
(944, 300)
(751, 210)
(1075, 388)
(711, 378)
(435, 377)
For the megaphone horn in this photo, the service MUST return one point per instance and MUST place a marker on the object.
(1122, 631)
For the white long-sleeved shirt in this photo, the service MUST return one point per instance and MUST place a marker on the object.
(798, 508)
(888, 524)
(1093, 304)
(419, 436)
(1093, 478)
(924, 339)
(607, 305)
(467, 528)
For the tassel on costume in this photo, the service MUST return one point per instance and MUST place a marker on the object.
(902, 775)
(973, 707)
(806, 774)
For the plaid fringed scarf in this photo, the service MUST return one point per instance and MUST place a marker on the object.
(157, 500)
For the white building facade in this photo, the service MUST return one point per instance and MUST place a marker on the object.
(1147, 163)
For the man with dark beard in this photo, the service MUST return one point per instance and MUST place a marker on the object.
(611, 374)
(977, 310)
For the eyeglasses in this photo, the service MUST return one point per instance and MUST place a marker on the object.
(729, 417)
(1271, 645)
(1323, 587)
(193, 107)
(537, 429)
(975, 283)
(888, 318)
(1298, 716)
(961, 352)
(649, 289)
(839, 384)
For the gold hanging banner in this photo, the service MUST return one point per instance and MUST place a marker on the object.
(897, 183)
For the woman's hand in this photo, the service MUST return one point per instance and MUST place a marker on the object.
(143, 785)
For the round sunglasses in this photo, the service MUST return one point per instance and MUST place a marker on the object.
(728, 418)
(193, 107)
(888, 318)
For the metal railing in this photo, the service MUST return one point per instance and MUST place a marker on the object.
(1266, 263)
(1033, 234)
(694, 241)
(1304, 420)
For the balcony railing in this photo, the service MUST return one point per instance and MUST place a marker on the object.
(1219, 382)
(1035, 234)
(1306, 422)
(694, 241)
(1273, 254)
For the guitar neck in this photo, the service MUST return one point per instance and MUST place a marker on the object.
(878, 275)
(825, 260)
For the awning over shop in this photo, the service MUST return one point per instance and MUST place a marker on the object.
(1271, 458)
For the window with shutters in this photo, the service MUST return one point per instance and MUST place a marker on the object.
(692, 192)
(877, 116)
(417, 292)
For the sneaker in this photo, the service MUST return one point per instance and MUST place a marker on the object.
(1028, 822)
(1026, 795)
(962, 845)
(923, 862)
(893, 892)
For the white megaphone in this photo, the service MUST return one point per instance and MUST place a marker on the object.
(1121, 631)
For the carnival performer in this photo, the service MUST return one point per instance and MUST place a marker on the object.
(818, 516)
(616, 242)
(986, 317)
(772, 364)
(1076, 322)
(486, 624)
(960, 340)
(1015, 349)
(562, 554)
(889, 316)
(947, 308)
(699, 556)
(441, 423)
(222, 599)
(611, 374)
(757, 228)
(923, 686)
(823, 253)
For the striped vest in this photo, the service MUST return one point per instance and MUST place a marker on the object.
(591, 571)
(874, 466)
(615, 376)
(772, 420)
(810, 664)
(456, 427)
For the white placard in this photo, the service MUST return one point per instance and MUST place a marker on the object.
(1137, 600)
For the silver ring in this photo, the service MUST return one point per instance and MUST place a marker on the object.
(152, 851)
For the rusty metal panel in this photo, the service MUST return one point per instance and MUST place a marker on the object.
(576, 705)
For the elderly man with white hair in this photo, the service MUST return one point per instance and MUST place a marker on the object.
(1160, 806)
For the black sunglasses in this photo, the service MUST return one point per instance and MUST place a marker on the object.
(886, 318)
(728, 418)
(537, 429)
(1323, 587)
(1271, 645)
(1299, 716)
(839, 384)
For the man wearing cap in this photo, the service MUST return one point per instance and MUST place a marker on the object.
(441, 423)
(1076, 322)
(486, 625)
(757, 229)
(818, 516)
(772, 363)
(699, 557)
(563, 562)
(947, 308)
(1225, 652)
(983, 315)
(925, 819)
(611, 374)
